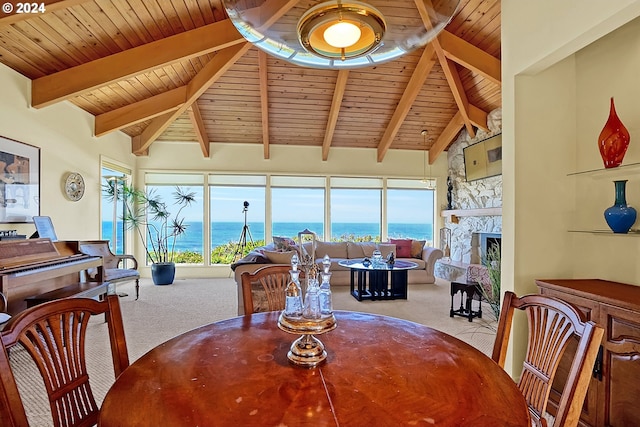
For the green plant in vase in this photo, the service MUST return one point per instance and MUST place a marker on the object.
(150, 217)
(491, 293)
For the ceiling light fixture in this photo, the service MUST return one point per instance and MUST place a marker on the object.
(339, 34)
(430, 182)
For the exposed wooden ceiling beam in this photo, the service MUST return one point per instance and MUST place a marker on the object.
(451, 73)
(264, 100)
(336, 102)
(48, 5)
(198, 127)
(101, 72)
(422, 70)
(267, 14)
(211, 72)
(449, 133)
(471, 57)
(459, 94)
(139, 111)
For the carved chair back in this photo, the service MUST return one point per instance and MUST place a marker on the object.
(53, 334)
(552, 323)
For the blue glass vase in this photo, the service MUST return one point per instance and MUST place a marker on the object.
(620, 217)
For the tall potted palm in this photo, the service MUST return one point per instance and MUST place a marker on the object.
(157, 227)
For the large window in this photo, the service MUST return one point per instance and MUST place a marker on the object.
(297, 203)
(409, 211)
(112, 226)
(237, 211)
(356, 209)
(190, 244)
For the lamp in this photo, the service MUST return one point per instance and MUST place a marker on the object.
(339, 34)
(430, 184)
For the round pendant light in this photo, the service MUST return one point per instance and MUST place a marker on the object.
(339, 34)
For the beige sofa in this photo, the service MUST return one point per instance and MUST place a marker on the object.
(424, 256)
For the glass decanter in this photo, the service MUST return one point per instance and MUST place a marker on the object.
(311, 309)
(293, 296)
(326, 306)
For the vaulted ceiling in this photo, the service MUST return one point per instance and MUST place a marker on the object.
(177, 70)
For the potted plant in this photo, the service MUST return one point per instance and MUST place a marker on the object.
(491, 293)
(157, 228)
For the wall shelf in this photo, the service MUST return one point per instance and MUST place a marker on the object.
(454, 214)
(631, 233)
(628, 169)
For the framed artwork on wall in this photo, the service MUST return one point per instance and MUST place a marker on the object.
(483, 159)
(19, 181)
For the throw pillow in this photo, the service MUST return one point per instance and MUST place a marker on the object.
(403, 247)
(283, 244)
(279, 257)
(416, 248)
(386, 249)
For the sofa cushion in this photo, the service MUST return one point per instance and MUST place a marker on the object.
(360, 249)
(333, 249)
(284, 244)
(416, 248)
(277, 257)
(403, 247)
(386, 249)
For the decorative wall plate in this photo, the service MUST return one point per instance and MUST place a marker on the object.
(74, 186)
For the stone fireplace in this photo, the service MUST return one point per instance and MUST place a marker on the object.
(481, 243)
(478, 227)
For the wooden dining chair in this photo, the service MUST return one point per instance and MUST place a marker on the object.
(552, 323)
(53, 334)
(272, 281)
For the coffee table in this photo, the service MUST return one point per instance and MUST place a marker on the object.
(378, 282)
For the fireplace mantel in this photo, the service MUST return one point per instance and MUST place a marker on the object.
(454, 214)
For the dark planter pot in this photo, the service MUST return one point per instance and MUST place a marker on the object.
(163, 273)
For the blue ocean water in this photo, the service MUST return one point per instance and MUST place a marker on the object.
(231, 232)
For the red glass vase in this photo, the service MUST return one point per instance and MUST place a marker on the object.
(613, 140)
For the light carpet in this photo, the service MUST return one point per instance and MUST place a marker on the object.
(163, 312)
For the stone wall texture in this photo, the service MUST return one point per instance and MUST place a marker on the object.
(483, 193)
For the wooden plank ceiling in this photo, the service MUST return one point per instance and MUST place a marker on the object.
(177, 70)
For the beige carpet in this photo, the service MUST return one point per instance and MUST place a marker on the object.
(163, 312)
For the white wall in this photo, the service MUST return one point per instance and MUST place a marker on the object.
(64, 134)
(555, 101)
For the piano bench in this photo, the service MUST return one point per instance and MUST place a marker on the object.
(77, 290)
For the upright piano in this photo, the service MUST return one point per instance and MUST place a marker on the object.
(33, 267)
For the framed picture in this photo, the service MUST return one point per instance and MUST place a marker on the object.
(19, 181)
(483, 159)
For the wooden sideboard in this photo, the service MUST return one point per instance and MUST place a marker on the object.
(613, 398)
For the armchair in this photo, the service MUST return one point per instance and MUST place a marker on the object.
(113, 265)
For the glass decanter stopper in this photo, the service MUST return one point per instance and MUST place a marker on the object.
(294, 262)
(293, 296)
(326, 263)
(326, 306)
(311, 309)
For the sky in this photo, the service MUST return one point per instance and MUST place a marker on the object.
(303, 205)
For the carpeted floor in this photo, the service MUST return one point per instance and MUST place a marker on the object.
(163, 312)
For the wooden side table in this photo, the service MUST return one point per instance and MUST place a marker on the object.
(468, 292)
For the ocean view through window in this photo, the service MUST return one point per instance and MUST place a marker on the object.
(334, 208)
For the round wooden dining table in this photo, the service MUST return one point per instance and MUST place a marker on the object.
(380, 371)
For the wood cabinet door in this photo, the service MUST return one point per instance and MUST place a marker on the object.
(590, 308)
(620, 386)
